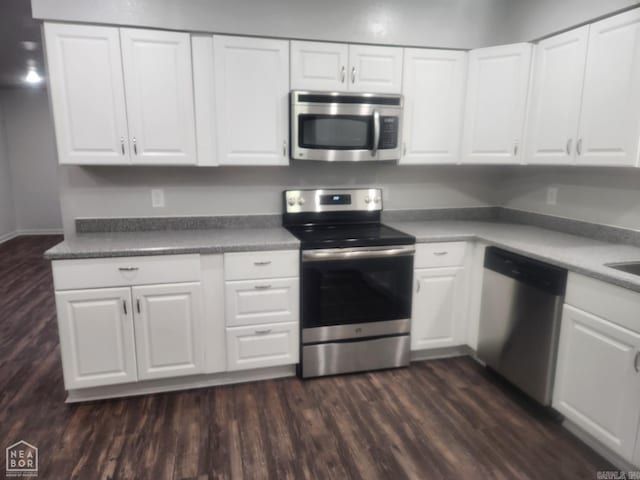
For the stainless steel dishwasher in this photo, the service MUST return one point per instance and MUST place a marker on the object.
(520, 320)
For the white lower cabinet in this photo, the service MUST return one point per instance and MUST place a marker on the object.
(438, 308)
(168, 327)
(96, 337)
(265, 345)
(252, 302)
(596, 385)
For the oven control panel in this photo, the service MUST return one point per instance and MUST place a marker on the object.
(333, 200)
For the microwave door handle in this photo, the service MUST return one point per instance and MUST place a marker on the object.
(376, 132)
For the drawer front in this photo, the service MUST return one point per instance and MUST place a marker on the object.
(616, 304)
(262, 346)
(450, 254)
(250, 265)
(254, 302)
(125, 271)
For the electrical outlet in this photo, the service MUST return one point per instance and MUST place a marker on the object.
(157, 198)
(552, 195)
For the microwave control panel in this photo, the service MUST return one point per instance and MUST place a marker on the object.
(388, 133)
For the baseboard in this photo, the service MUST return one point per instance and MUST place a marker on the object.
(445, 352)
(8, 236)
(38, 231)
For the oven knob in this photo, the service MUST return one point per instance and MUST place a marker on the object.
(291, 201)
(367, 199)
(301, 201)
(376, 200)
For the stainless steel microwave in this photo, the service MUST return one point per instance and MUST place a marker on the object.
(345, 127)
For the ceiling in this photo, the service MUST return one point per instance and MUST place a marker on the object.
(17, 27)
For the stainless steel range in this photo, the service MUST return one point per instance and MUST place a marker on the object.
(356, 282)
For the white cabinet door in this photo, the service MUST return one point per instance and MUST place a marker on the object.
(596, 386)
(439, 300)
(159, 89)
(495, 104)
(87, 94)
(319, 66)
(252, 98)
(433, 87)
(375, 69)
(168, 327)
(262, 346)
(610, 120)
(96, 337)
(556, 97)
(254, 302)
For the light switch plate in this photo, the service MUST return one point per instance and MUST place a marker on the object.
(157, 198)
(552, 195)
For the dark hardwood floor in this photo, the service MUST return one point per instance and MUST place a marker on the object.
(442, 419)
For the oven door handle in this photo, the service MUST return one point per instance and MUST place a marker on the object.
(357, 253)
(376, 132)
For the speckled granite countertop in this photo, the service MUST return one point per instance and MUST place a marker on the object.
(575, 253)
(127, 244)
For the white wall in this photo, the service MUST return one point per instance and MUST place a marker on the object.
(603, 195)
(7, 209)
(31, 151)
(126, 191)
(435, 23)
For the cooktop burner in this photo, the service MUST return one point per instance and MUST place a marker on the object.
(350, 235)
(339, 219)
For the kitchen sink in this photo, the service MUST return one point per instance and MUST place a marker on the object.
(629, 267)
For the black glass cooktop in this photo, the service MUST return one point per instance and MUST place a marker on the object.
(351, 235)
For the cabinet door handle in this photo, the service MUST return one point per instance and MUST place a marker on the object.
(262, 287)
(343, 74)
(138, 305)
(636, 362)
(124, 307)
(122, 145)
(439, 254)
(263, 332)
(515, 149)
(353, 74)
(135, 146)
(404, 148)
(284, 148)
(417, 286)
(579, 147)
(569, 143)
(262, 264)
(128, 269)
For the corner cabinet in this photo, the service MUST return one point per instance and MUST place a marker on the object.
(121, 96)
(597, 384)
(556, 96)
(252, 99)
(433, 86)
(495, 104)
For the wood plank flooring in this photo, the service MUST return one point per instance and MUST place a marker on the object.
(442, 419)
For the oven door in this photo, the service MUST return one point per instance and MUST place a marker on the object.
(356, 293)
(345, 132)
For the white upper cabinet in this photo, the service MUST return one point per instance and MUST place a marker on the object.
(341, 67)
(433, 87)
(87, 94)
(168, 326)
(375, 69)
(556, 96)
(319, 66)
(252, 98)
(495, 104)
(610, 120)
(159, 90)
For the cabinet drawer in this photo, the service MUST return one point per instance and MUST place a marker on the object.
(616, 304)
(125, 271)
(449, 254)
(262, 346)
(253, 302)
(250, 265)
